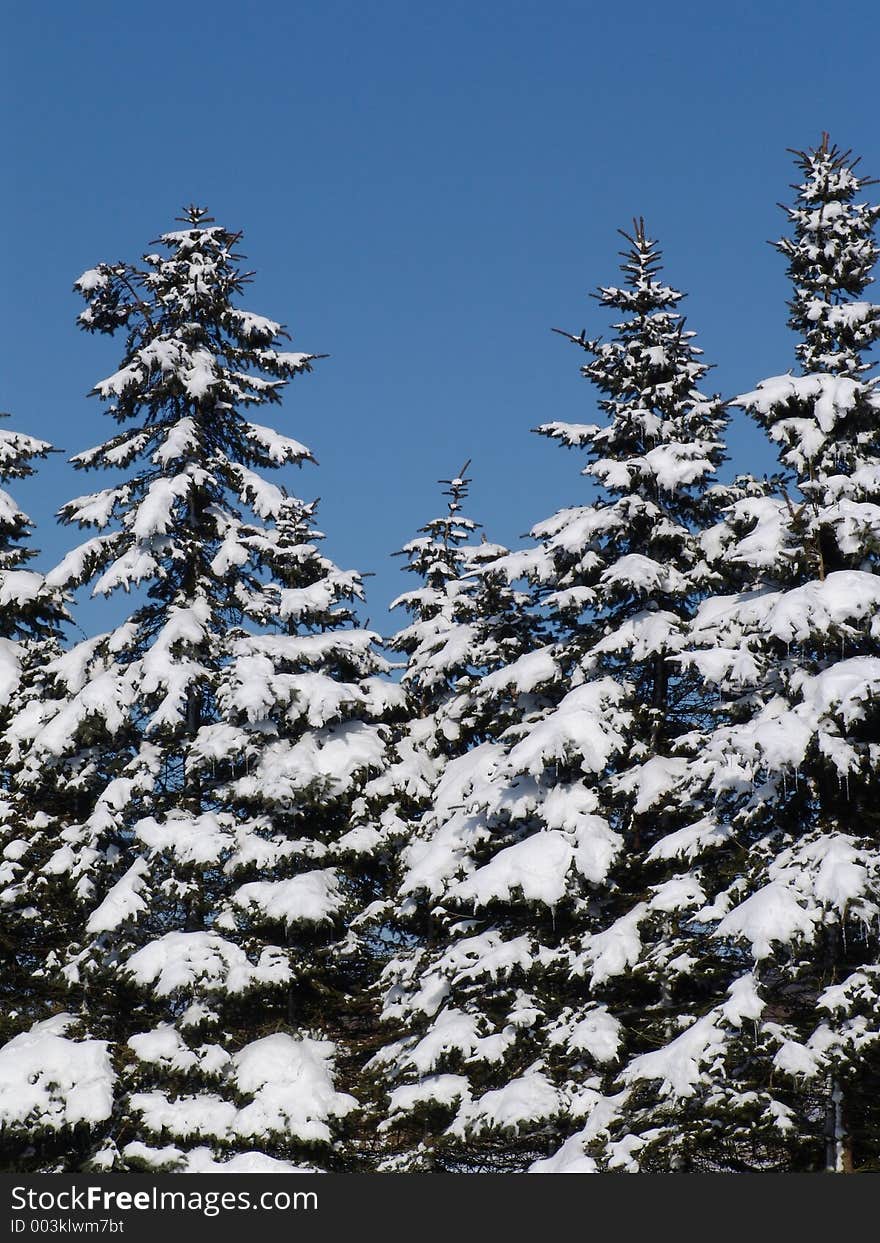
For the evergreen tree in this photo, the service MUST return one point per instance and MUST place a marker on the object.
(438, 556)
(531, 852)
(623, 578)
(31, 616)
(34, 912)
(214, 744)
(466, 622)
(775, 1065)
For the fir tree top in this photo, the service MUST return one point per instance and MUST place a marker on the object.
(654, 457)
(193, 363)
(824, 421)
(830, 259)
(439, 639)
(435, 554)
(648, 373)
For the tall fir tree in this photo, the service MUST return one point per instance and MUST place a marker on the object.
(214, 745)
(466, 622)
(624, 577)
(531, 857)
(34, 911)
(776, 1064)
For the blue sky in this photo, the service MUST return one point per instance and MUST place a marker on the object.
(425, 190)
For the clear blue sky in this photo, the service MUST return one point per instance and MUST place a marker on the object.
(426, 190)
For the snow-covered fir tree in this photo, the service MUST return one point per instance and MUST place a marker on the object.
(529, 857)
(773, 1061)
(31, 617)
(34, 910)
(623, 578)
(214, 746)
(436, 643)
(439, 646)
(595, 885)
(466, 622)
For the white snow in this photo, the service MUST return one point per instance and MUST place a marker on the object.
(679, 1065)
(584, 726)
(435, 1089)
(292, 1085)
(205, 962)
(48, 1079)
(311, 897)
(596, 1032)
(773, 914)
(537, 867)
(615, 950)
(124, 901)
(523, 1101)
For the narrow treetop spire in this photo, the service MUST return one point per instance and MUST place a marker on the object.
(831, 254)
(195, 215)
(457, 490)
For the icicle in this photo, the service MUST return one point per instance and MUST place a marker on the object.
(838, 1159)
